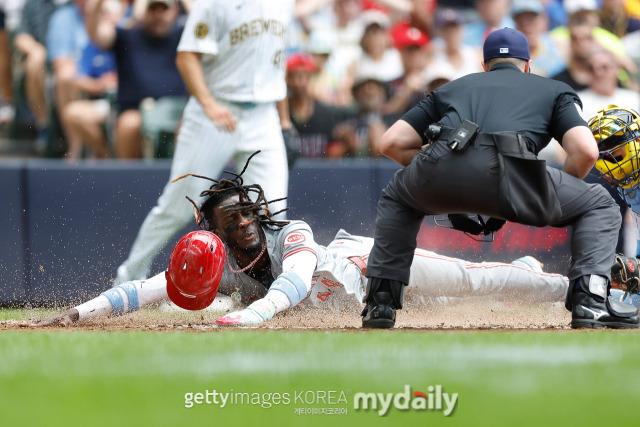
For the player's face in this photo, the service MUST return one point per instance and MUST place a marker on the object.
(238, 229)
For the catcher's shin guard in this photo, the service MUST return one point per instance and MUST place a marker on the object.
(591, 306)
(383, 298)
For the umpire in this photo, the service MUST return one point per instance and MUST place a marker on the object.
(470, 148)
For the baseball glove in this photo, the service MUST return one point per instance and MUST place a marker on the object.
(625, 275)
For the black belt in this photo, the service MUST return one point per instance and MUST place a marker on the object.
(509, 142)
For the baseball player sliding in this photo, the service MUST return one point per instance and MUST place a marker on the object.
(274, 265)
(232, 59)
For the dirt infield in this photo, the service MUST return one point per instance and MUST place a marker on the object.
(476, 314)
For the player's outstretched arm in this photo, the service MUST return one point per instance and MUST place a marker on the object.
(256, 313)
(64, 319)
(291, 287)
(122, 299)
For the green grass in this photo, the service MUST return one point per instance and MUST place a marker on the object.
(73, 377)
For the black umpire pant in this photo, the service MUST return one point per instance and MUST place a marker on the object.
(441, 181)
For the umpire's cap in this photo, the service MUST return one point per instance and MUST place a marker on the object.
(506, 43)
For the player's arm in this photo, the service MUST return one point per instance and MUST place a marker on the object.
(289, 288)
(283, 113)
(581, 149)
(401, 143)
(190, 69)
(64, 319)
(101, 31)
(116, 301)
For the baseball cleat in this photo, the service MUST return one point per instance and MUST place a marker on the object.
(379, 313)
(588, 312)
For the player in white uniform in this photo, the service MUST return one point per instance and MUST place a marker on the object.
(232, 59)
(274, 265)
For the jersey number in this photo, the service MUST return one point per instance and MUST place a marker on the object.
(278, 59)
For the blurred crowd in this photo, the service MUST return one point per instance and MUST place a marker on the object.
(97, 78)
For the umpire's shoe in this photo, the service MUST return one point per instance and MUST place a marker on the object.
(382, 299)
(591, 307)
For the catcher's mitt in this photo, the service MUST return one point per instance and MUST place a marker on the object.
(625, 274)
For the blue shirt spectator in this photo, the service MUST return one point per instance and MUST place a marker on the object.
(66, 35)
(96, 61)
(146, 66)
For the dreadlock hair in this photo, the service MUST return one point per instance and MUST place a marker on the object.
(227, 187)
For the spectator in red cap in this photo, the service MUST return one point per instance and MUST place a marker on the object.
(313, 120)
(404, 35)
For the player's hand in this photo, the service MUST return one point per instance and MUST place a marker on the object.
(222, 117)
(63, 319)
(255, 314)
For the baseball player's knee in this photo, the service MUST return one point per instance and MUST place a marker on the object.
(603, 200)
(607, 217)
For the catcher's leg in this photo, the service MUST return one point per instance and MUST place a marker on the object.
(593, 307)
(595, 219)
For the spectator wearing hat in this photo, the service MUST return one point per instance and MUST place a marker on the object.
(410, 88)
(359, 136)
(437, 75)
(449, 48)
(530, 18)
(377, 56)
(145, 58)
(313, 120)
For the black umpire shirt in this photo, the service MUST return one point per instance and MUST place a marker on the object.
(503, 99)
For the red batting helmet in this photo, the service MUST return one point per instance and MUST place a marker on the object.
(195, 270)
